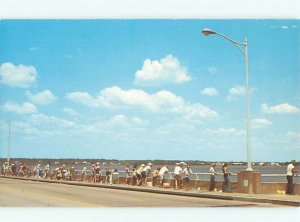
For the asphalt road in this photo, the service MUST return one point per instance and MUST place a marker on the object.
(20, 193)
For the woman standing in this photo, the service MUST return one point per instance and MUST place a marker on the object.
(226, 183)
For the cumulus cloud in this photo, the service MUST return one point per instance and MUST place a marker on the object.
(209, 91)
(259, 123)
(43, 98)
(138, 120)
(225, 131)
(82, 98)
(50, 121)
(162, 101)
(25, 108)
(294, 135)
(280, 27)
(236, 92)
(282, 108)
(167, 70)
(24, 128)
(70, 111)
(114, 123)
(17, 76)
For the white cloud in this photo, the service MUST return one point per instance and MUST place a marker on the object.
(114, 124)
(225, 131)
(162, 101)
(70, 111)
(116, 97)
(167, 70)
(294, 135)
(280, 27)
(118, 119)
(25, 108)
(50, 121)
(137, 120)
(43, 98)
(259, 123)
(212, 70)
(17, 76)
(209, 91)
(34, 48)
(24, 128)
(282, 108)
(236, 92)
(82, 98)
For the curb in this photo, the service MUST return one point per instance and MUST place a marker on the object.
(168, 192)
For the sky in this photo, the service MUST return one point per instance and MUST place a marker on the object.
(149, 89)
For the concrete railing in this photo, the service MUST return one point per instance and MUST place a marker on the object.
(266, 187)
(198, 180)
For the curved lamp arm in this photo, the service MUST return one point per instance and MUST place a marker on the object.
(207, 32)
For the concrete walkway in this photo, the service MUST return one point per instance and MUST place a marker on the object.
(288, 200)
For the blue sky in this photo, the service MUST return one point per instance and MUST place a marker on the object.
(149, 89)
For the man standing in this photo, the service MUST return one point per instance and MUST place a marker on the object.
(139, 174)
(47, 171)
(290, 173)
(212, 185)
(186, 172)
(83, 172)
(127, 174)
(177, 178)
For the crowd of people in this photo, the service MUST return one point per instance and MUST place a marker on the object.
(139, 175)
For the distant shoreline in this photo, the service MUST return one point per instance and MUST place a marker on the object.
(137, 162)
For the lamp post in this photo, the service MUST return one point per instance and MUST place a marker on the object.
(243, 47)
(8, 153)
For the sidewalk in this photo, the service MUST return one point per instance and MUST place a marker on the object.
(288, 200)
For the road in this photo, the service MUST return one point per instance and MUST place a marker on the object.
(20, 193)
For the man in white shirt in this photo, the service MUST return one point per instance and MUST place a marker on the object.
(47, 171)
(289, 175)
(83, 172)
(146, 171)
(177, 178)
(212, 172)
(162, 173)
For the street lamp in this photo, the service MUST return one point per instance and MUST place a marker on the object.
(243, 47)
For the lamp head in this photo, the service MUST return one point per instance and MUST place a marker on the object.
(207, 32)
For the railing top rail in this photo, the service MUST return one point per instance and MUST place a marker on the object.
(198, 173)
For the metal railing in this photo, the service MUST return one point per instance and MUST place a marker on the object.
(197, 175)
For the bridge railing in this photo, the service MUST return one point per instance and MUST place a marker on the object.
(200, 176)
